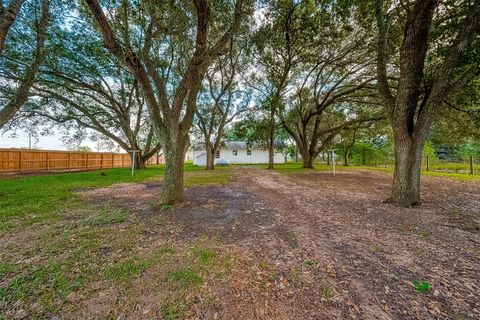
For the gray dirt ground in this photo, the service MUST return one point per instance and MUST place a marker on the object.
(313, 246)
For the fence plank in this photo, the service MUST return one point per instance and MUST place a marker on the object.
(27, 160)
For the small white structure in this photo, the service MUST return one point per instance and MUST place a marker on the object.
(237, 152)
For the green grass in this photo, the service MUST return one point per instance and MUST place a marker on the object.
(45, 197)
(185, 278)
(126, 270)
(49, 280)
(296, 167)
(205, 256)
(80, 244)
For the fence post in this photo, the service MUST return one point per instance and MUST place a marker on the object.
(471, 164)
(101, 160)
(86, 161)
(20, 162)
(428, 164)
(48, 160)
(69, 162)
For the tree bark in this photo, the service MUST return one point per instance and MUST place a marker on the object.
(139, 161)
(173, 191)
(7, 17)
(406, 179)
(345, 156)
(308, 160)
(210, 165)
(411, 115)
(271, 140)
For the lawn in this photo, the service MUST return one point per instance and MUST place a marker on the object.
(249, 243)
(40, 198)
(54, 244)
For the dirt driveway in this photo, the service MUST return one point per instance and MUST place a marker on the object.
(360, 255)
(309, 245)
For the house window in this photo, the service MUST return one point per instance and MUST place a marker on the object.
(234, 152)
(217, 154)
(249, 152)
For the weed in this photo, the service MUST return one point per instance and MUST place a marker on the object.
(327, 292)
(421, 286)
(310, 262)
(186, 277)
(166, 206)
(292, 240)
(404, 230)
(423, 232)
(457, 316)
(377, 248)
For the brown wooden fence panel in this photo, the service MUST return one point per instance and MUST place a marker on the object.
(25, 160)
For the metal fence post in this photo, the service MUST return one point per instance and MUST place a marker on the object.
(471, 164)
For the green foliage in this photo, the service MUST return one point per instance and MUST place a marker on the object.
(377, 248)
(429, 150)
(422, 286)
(470, 147)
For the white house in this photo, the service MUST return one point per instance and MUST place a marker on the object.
(236, 152)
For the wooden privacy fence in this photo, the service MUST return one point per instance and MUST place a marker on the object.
(26, 160)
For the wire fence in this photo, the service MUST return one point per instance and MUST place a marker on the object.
(469, 164)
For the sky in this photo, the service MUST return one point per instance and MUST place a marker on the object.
(51, 142)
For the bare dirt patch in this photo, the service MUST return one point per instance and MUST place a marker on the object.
(313, 246)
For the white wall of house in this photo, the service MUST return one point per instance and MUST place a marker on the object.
(256, 156)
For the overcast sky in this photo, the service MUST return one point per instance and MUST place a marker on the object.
(52, 142)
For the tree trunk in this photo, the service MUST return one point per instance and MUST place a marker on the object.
(172, 191)
(345, 156)
(210, 165)
(271, 140)
(307, 158)
(139, 160)
(406, 178)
